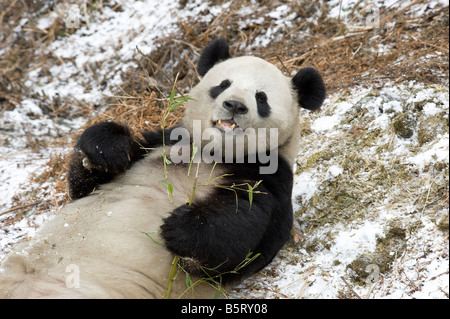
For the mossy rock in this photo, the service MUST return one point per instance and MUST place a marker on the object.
(405, 125)
(366, 265)
(388, 248)
(305, 127)
(430, 127)
(324, 155)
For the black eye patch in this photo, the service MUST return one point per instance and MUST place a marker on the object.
(216, 90)
(263, 106)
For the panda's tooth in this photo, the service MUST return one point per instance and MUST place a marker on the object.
(233, 126)
(219, 122)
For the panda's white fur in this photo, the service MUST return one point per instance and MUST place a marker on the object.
(101, 237)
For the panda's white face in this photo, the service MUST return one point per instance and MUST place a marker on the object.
(241, 93)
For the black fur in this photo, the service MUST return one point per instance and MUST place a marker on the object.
(214, 52)
(215, 236)
(262, 104)
(310, 88)
(215, 91)
(104, 151)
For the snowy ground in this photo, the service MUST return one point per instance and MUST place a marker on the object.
(370, 221)
(91, 57)
(370, 186)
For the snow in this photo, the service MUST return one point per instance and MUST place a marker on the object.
(334, 171)
(426, 267)
(106, 47)
(430, 109)
(343, 8)
(305, 186)
(280, 19)
(111, 38)
(321, 282)
(438, 152)
(15, 173)
(47, 21)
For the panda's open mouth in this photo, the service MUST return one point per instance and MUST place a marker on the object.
(226, 125)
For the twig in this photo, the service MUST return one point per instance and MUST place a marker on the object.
(346, 36)
(86, 15)
(6, 10)
(18, 207)
(282, 64)
(429, 44)
(388, 17)
(310, 271)
(350, 287)
(160, 70)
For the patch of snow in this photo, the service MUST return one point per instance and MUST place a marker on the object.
(280, 19)
(105, 48)
(350, 242)
(326, 123)
(430, 109)
(47, 21)
(343, 8)
(15, 170)
(305, 186)
(333, 171)
(22, 230)
(438, 152)
(326, 268)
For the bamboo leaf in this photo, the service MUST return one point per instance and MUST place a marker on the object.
(170, 189)
(250, 195)
(189, 282)
(153, 240)
(178, 101)
(172, 94)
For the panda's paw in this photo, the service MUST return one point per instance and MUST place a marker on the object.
(179, 239)
(179, 231)
(105, 147)
(184, 233)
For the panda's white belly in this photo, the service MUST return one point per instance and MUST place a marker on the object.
(97, 246)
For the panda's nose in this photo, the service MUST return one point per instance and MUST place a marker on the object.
(235, 107)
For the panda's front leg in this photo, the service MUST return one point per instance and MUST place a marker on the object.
(103, 151)
(106, 150)
(213, 237)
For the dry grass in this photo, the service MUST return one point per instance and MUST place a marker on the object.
(344, 56)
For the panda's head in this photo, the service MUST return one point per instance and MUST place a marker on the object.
(239, 93)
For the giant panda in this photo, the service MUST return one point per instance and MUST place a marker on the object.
(119, 236)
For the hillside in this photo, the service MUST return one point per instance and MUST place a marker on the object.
(371, 191)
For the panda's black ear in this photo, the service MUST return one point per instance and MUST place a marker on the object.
(310, 89)
(213, 53)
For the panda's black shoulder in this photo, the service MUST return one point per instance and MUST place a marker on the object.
(280, 182)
